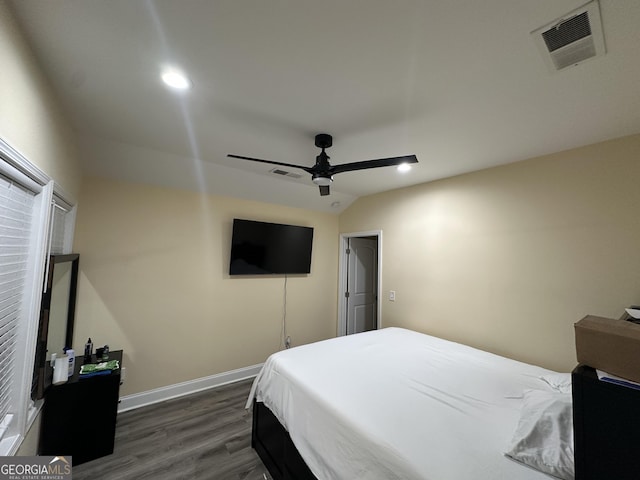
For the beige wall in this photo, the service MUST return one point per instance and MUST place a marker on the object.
(154, 281)
(31, 120)
(32, 123)
(509, 258)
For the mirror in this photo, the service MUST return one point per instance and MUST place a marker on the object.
(57, 314)
(59, 309)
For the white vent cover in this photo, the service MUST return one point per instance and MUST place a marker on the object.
(571, 39)
(285, 173)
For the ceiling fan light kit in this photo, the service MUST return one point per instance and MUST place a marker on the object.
(322, 172)
(321, 181)
(175, 79)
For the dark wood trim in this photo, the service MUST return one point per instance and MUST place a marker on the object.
(42, 372)
(74, 258)
(275, 448)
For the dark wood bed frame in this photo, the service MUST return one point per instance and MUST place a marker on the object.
(274, 447)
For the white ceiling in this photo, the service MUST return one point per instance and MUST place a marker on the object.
(459, 83)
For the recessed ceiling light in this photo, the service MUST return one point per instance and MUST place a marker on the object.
(176, 79)
(404, 167)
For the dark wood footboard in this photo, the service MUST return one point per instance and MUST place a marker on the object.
(274, 447)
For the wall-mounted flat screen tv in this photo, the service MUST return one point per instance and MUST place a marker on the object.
(260, 248)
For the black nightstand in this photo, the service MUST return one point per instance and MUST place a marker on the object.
(79, 417)
(606, 422)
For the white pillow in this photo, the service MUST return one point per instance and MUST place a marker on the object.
(558, 381)
(544, 436)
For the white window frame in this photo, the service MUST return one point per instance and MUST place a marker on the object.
(59, 204)
(63, 202)
(16, 167)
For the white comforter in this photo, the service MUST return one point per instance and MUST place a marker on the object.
(397, 404)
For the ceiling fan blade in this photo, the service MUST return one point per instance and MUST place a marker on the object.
(381, 162)
(306, 169)
(324, 190)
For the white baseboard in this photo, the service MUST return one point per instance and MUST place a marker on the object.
(137, 400)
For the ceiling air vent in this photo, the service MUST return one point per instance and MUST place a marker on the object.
(284, 173)
(571, 39)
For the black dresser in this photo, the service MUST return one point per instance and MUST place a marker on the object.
(79, 416)
(606, 421)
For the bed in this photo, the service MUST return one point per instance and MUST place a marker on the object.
(396, 404)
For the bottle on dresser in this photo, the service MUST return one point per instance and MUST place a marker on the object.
(71, 356)
(88, 350)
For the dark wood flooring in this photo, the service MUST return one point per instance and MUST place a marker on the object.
(205, 436)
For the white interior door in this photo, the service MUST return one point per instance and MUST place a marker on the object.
(362, 289)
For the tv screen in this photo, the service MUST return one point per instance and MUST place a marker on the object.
(260, 248)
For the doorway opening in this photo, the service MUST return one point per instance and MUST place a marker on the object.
(359, 282)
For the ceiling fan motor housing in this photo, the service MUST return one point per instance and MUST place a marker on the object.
(324, 140)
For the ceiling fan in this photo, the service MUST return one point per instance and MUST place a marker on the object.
(322, 172)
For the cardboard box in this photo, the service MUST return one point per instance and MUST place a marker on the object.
(609, 345)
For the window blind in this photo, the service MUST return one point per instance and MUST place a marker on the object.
(16, 208)
(58, 229)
